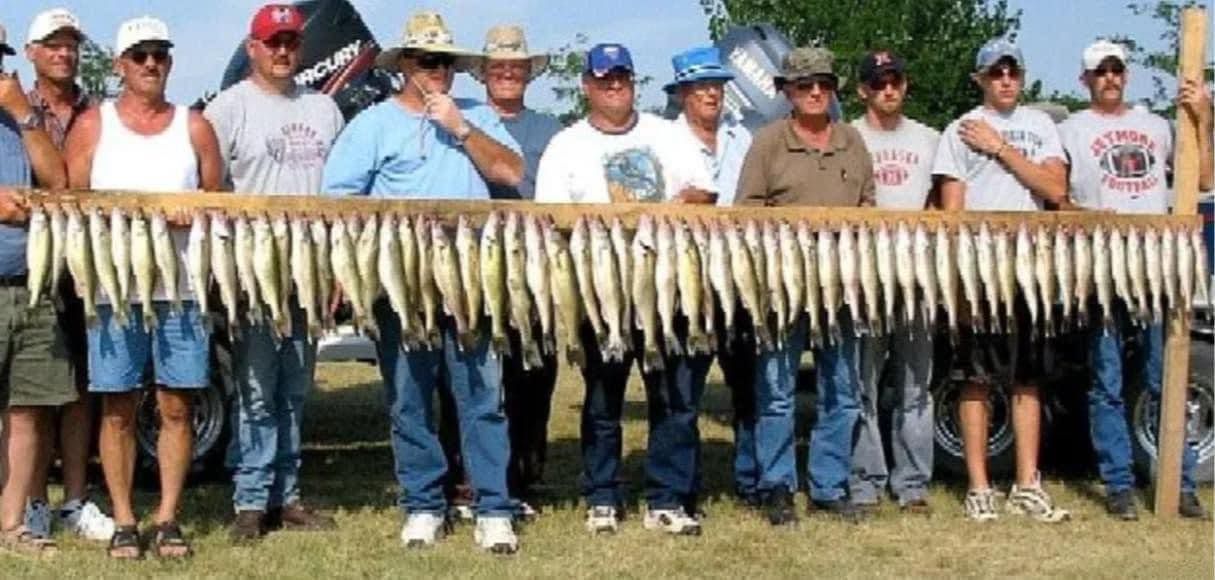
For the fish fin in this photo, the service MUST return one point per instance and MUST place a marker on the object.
(575, 355)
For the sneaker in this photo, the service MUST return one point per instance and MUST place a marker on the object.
(1121, 505)
(85, 519)
(674, 521)
(461, 513)
(422, 529)
(296, 516)
(980, 505)
(778, 506)
(247, 527)
(495, 534)
(1033, 501)
(602, 519)
(38, 518)
(841, 509)
(526, 513)
(1191, 508)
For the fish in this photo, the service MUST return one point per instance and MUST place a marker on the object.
(447, 279)
(280, 229)
(742, 272)
(985, 253)
(1202, 290)
(871, 287)
(493, 283)
(884, 254)
(198, 262)
(303, 274)
(946, 269)
(143, 268)
(925, 277)
(1119, 270)
(753, 237)
(428, 293)
(580, 254)
(103, 265)
(38, 255)
(408, 238)
(1064, 273)
(390, 268)
(666, 283)
(1044, 273)
(808, 240)
(566, 300)
(80, 263)
(120, 251)
(968, 272)
(165, 254)
(904, 269)
(645, 294)
(519, 297)
(1006, 267)
(778, 301)
(266, 268)
(689, 280)
(829, 282)
(1185, 269)
(58, 227)
(319, 232)
(242, 233)
(1103, 277)
(1083, 259)
(708, 308)
(1136, 264)
(1026, 267)
(469, 253)
(621, 243)
(1152, 258)
(537, 280)
(1168, 268)
(366, 250)
(850, 276)
(720, 278)
(792, 270)
(223, 267)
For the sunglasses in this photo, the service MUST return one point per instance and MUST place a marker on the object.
(287, 41)
(1117, 69)
(140, 56)
(432, 61)
(823, 83)
(1000, 72)
(880, 84)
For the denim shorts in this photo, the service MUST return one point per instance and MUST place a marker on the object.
(179, 348)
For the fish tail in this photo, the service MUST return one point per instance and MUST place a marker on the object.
(994, 326)
(698, 344)
(834, 335)
(763, 336)
(175, 305)
(500, 344)
(653, 360)
(575, 355)
(954, 335)
(531, 356)
(120, 314)
(860, 327)
(672, 345)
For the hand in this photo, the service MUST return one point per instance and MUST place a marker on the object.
(12, 97)
(442, 108)
(12, 207)
(179, 218)
(981, 137)
(698, 196)
(1193, 96)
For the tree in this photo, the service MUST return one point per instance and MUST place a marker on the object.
(937, 38)
(1162, 64)
(97, 75)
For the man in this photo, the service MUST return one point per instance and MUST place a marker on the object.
(141, 142)
(617, 154)
(422, 143)
(699, 85)
(1003, 157)
(1099, 142)
(902, 150)
(807, 160)
(52, 47)
(274, 136)
(33, 348)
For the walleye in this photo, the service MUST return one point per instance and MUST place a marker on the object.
(644, 291)
(245, 271)
(469, 253)
(1155, 272)
(720, 277)
(829, 282)
(143, 267)
(886, 274)
(1083, 256)
(1136, 264)
(850, 276)
(303, 273)
(1044, 273)
(518, 296)
(58, 233)
(1064, 273)
(223, 266)
(925, 278)
(870, 285)
(319, 233)
(428, 293)
(80, 263)
(165, 253)
(1103, 277)
(1006, 267)
(367, 249)
(408, 239)
(120, 251)
(624, 262)
(666, 275)
(537, 279)
(493, 283)
(808, 240)
(198, 263)
(1185, 270)
(1119, 270)
(947, 278)
(792, 271)
(985, 250)
(742, 273)
(968, 272)
(580, 253)
(753, 237)
(565, 294)
(1168, 268)
(38, 255)
(904, 249)
(689, 280)
(447, 279)
(390, 267)
(280, 230)
(1026, 280)
(103, 265)
(266, 268)
(774, 280)
(1202, 290)
(708, 308)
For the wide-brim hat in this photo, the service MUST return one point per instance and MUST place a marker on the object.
(426, 32)
(696, 65)
(802, 63)
(507, 42)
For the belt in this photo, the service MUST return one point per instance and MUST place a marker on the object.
(12, 281)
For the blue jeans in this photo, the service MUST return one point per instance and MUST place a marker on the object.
(673, 461)
(475, 381)
(1106, 410)
(179, 348)
(273, 379)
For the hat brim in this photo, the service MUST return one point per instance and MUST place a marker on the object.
(539, 64)
(723, 76)
(465, 60)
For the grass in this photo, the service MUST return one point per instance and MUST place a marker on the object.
(348, 469)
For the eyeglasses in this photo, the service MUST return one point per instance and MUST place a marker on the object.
(433, 61)
(1000, 72)
(823, 83)
(880, 84)
(1116, 68)
(287, 41)
(140, 56)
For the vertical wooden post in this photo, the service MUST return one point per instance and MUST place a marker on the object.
(1171, 439)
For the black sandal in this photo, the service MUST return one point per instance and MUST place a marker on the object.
(168, 536)
(124, 544)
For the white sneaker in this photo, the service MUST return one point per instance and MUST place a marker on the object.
(38, 518)
(980, 505)
(676, 522)
(86, 520)
(602, 519)
(1033, 501)
(496, 534)
(422, 529)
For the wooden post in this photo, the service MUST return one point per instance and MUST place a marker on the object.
(1171, 438)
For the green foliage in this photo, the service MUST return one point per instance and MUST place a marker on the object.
(565, 68)
(1162, 64)
(97, 75)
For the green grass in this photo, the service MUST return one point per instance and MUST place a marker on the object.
(348, 469)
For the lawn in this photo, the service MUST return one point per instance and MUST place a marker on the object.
(348, 469)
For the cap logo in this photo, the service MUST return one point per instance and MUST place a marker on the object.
(611, 51)
(281, 15)
(881, 59)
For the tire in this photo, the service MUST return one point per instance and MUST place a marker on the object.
(947, 431)
(1142, 418)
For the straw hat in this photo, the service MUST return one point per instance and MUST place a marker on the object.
(507, 42)
(426, 32)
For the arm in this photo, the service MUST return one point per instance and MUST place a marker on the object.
(80, 146)
(497, 162)
(868, 184)
(206, 147)
(1194, 97)
(45, 160)
(1047, 180)
(953, 194)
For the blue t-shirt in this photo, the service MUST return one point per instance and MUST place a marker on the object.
(14, 172)
(387, 151)
(532, 131)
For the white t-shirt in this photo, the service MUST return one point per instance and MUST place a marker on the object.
(989, 185)
(1118, 161)
(653, 161)
(902, 161)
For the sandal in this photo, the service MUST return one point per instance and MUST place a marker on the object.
(22, 541)
(169, 543)
(124, 544)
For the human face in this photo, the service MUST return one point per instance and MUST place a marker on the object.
(56, 58)
(703, 100)
(1107, 83)
(885, 94)
(506, 80)
(611, 94)
(811, 96)
(144, 68)
(1001, 84)
(276, 58)
(433, 71)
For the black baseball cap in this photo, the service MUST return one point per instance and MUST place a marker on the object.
(880, 62)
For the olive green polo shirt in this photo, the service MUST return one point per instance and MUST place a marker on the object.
(781, 170)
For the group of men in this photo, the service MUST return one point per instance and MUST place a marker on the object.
(269, 135)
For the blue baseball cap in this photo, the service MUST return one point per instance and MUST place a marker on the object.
(604, 58)
(698, 64)
(996, 49)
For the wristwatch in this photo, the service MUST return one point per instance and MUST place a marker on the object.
(31, 121)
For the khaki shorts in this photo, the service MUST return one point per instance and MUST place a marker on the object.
(35, 367)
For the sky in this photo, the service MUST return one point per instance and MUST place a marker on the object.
(1053, 33)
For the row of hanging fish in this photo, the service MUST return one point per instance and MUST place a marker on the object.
(632, 287)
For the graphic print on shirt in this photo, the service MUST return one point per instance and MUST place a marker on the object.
(634, 174)
(297, 145)
(892, 167)
(1127, 161)
(1027, 142)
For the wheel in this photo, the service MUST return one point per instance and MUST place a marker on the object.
(947, 430)
(1143, 417)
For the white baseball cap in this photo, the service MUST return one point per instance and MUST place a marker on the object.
(142, 29)
(51, 21)
(1101, 50)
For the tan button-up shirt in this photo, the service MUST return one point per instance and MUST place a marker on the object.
(781, 170)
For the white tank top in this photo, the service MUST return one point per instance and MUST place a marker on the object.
(165, 163)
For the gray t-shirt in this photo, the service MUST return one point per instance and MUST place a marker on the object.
(532, 131)
(902, 161)
(274, 143)
(989, 185)
(1118, 161)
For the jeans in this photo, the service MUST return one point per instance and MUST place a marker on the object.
(273, 379)
(475, 381)
(1107, 412)
(737, 360)
(906, 354)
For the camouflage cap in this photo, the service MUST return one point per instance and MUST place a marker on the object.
(804, 62)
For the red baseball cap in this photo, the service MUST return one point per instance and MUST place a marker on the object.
(275, 18)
